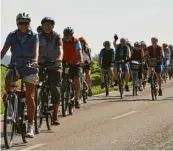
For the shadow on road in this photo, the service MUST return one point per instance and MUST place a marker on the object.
(14, 145)
(131, 100)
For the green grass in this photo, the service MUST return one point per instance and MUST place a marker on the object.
(95, 75)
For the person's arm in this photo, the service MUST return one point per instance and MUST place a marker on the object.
(6, 46)
(100, 57)
(129, 52)
(113, 55)
(89, 54)
(60, 49)
(79, 50)
(36, 48)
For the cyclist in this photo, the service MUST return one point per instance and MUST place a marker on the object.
(39, 29)
(106, 59)
(24, 45)
(136, 55)
(167, 54)
(171, 62)
(87, 60)
(123, 53)
(155, 51)
(73, 55)
(51, 49)
(143, 46)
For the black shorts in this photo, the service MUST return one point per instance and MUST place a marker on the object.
(75, 71)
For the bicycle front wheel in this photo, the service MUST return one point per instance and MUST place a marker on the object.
(106, 84)
(9, 125)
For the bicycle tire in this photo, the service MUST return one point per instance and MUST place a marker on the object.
(121, 84)
(49, 121)
(23, 123)
(71, 108)
(63, 103)
(8, 144)
(37, 117)
(85, 92)
(106, 84)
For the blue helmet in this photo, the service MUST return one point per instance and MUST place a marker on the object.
(48, 19)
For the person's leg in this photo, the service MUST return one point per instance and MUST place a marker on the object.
(111, 76)
(158, 71)
(88, 80)
(102, 77)
(54, 81)
(76, 74)
(126, 71)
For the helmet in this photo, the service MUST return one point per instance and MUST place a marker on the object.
(154, 39)
(68, 31)
(165, 45)
(170, 47)
(137, 44)
(106, 43)
(23, 16)
(48, 19)
(143, 43)
(39, 29)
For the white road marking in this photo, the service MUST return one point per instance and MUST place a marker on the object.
(123, 115)
(32, 147)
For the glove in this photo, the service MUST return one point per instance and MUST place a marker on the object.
(115, 37)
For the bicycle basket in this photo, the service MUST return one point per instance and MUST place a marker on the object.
(135, 66)
(152, 62)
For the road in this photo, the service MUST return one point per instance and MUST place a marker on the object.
(111, 123)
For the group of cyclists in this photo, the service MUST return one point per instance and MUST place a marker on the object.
(27, 46)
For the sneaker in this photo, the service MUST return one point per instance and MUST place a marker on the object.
(126, 87)
(102, 85)
(56, 122)
(160, 92)
(30, 131)
(77, 105)
(116, 83)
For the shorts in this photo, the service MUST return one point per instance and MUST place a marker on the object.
(30, 75)
(166, 64)
(125, 67)
(103, 70)
(54, 79)
(158, 69)
(75, 71)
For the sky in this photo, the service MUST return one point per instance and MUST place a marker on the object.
(96, 20)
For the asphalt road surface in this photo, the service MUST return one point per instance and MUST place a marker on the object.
(111, 123)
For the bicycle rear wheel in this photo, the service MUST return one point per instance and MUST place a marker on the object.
(85, 92)
(106, 84)
(64, 102)
(9, 125)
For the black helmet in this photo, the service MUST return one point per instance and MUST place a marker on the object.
(23, 16)
(48, 19)
(165, 45)
(39, 29)
(137, 44)
(68, 31)
(106, 43)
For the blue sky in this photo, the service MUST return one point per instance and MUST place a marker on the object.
(96, 20)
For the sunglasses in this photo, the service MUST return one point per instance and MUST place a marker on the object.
(23, 23)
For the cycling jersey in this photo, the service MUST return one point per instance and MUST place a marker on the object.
(107, 57)
(167, 53)
(122, 52)
(137, 54)
(71, 50)
(86, 52)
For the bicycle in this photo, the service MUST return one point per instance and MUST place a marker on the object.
(135, 68)
(15, 113)
(84, 86)
(44, 107)
(67, 91)
(120, 77)
(106, 79)
(170, 72)
(152, 63)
